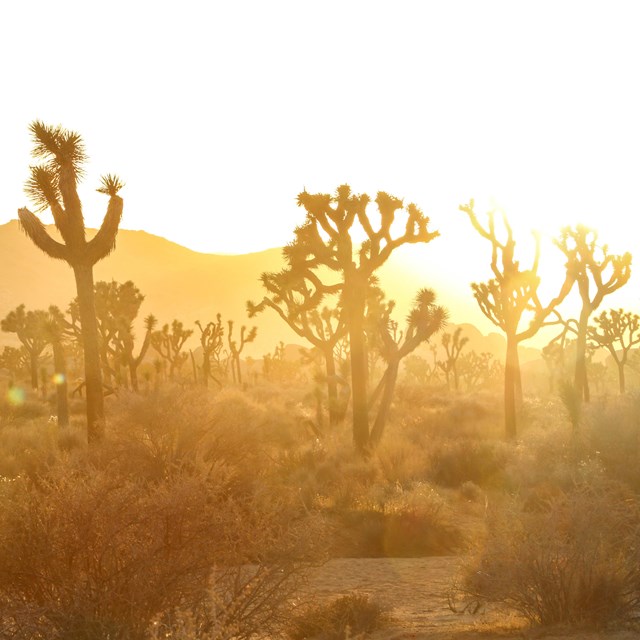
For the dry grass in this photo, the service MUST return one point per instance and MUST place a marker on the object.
(201, 511)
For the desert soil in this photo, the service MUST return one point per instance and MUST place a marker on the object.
(416, 592)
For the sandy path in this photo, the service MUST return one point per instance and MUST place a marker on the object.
(415, 590)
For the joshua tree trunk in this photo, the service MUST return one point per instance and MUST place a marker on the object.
(194, 367)
(355, 308)
(93, 378)
(133, 375)
(60, 366)
(206, 368)
(621, 379)
(391, 376)
(332, 387)
(580, 379)
(511, 376)
(33, 368)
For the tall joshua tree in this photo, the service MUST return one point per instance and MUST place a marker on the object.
(507, 296)
(325, 242)
(53, 184)
(597, 273)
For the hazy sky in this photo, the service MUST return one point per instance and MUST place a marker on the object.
(216, 114)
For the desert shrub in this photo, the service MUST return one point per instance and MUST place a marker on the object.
(153, 437)
(245, 602)
(27, 408)
(347, 616)
(454, 416)
(472, 492)
(72, 439)
(468, 460)
(547, 457)
(27, 448)
(402, 462)
(327, 473)
(397, 523)
(114, 553)
(575, 561)
(612, 429)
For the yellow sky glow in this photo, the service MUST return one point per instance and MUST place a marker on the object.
(216, 115)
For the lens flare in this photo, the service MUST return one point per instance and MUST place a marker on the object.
(58, 378)
(16, 396)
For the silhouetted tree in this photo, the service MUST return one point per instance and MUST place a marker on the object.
(296, 302)
(425, 319)
(617, 331)
(506, 298)
(27, 325)
(479, 369)
(168, 342)
(597, 274)
(276, 367)
(126, 340)
(453, 345)
(117, 306)
(16, 361)
(53, 185)
(211, 341)
(553, 355)
(236, 349)
(324, 245)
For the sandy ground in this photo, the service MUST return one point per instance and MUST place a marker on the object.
(416, 592)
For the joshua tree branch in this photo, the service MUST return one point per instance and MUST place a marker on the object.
(37, 232)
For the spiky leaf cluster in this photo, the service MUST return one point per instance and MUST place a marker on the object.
(53, 184)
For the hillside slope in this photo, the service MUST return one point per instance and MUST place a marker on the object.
(187, 285)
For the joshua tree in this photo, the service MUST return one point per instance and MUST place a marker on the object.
(453, 345)
(590, 264)
(291, 297)
(54, 185)
(126, 345)
(237, 350)
(479, 369)
(27, 325)
(617, 331)
(117, 306)
(553, 355)
(505, 299)
(16, 361)
(168, 342)
(212, 344)
(425, 318)
(324, 245)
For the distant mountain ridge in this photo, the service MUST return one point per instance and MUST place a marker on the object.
(184, 284)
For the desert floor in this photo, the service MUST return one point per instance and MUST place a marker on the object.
(416, 590)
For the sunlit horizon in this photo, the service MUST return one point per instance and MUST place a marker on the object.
(217, 132)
